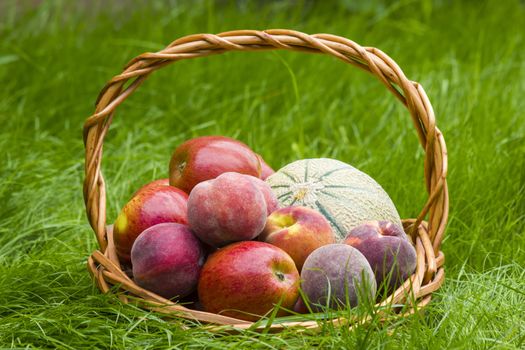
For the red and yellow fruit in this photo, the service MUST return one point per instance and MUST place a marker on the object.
(298, 231)
(205, 158)
(153, 184)
(151, 206)
(247, 279)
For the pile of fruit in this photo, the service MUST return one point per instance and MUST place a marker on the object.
(237, 238)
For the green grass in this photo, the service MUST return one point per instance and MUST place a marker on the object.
(56, 57)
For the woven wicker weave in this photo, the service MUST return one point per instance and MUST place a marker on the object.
(103, 264)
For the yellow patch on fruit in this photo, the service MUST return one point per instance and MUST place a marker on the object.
(292, 230)
(282, 220)
(121, 223)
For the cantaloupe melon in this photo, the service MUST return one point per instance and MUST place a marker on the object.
(344, 195)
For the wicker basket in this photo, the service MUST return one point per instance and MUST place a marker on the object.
(415, 293)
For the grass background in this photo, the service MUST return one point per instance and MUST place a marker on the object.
(56, 55)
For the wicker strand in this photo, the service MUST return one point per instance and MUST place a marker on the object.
(104, 266)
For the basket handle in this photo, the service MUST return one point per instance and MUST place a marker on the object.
(370, 59)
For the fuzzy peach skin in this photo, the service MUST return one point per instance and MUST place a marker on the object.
(247, 279)
(204, 158)
(337, 275)
(167, 260)
(388, 250)
(149, 207)
(227, 209)
(298, 231)
(272, 203)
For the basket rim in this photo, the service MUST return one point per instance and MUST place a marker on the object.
(104, 264)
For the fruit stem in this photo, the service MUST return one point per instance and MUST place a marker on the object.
(280, 276)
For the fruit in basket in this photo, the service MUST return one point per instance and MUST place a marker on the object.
(204, 158)
(346, 196)
(167, 260)
(387, 249)
(152, 184)
(266, 170)
(272, 203)
(247, 279)
(298, 231)
(336, 275)
(227, 209)
(300, 306)
(149, 207)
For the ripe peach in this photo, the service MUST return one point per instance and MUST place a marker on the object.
(298, 231)
(149, 207)
(227, 209)
(337, 272)
(167, 259)
(387, 249)
(272, 203)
